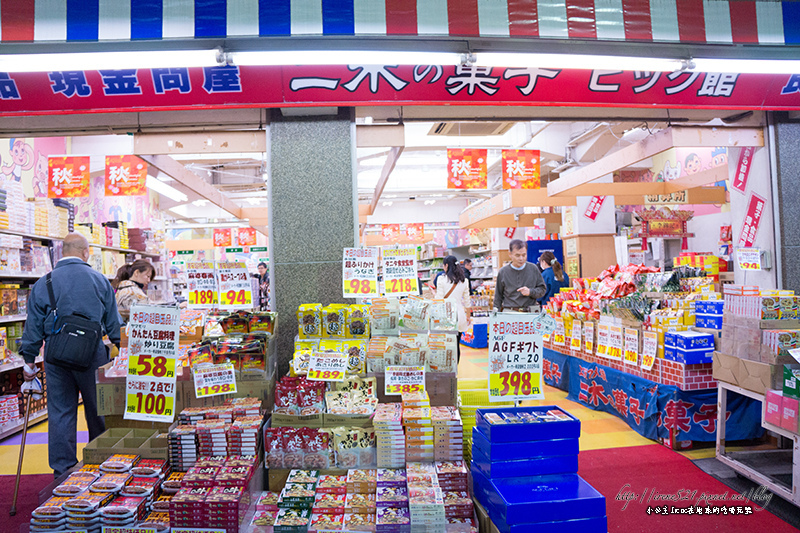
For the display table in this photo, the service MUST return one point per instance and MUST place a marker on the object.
(765, 467)
(652, 409)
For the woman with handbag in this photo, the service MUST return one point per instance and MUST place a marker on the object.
(453, 287)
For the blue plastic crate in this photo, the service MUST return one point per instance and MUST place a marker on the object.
(693, 357)
(537, 466)
(498, 451)
(479, 338)
(597, 524)
(694, 340)
(496, 433)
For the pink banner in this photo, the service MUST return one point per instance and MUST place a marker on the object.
(743, 169)
(594, 207)
(752, 220)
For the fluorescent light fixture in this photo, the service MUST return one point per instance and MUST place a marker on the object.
(430, 202)
(200, 203)
(207, 225)
(577, 61)
(344, 57)
(162, 188)
(253, 201)
(107, 60)
(747, 66)
(386, 204)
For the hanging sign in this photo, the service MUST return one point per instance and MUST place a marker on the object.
(521, 169)
(126, 175)
(649, 349)
(595, 204)
(360, 272)
(515, 358)
(588, 337)
(154, 334)
(222, 237)
(402, 379)
(602, 340)
(68, 176)
(748, 258)
(615, 342)
(576, 340)
(235, 289)
(415, 232)
(390, 232)
(246, 236)
(327, 366)
(400, 271)
(201, 284)
(214, 380)
(631, 346)
(560, 334)
(752, 220)
(739, 182)
(467, 168)
(510, 233)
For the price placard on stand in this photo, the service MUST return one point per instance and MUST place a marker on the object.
(515, 358)
(400, 379)
(360, 273)
(195, 530)
(615, 342)
(235, 289)
(560, 334)
(153, 337)
(748, 258)
(631, 346)
(213, 380)
(649, 349)
(576, 341)
(201, 284)
(602, 340)
(327, 367)
(588, 337)
(400, 271)
(118, 529)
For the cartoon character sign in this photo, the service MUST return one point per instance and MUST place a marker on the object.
(692, 165)
(40, 176)
(671, 173)
(21, 159)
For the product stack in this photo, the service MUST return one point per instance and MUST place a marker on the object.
(16, 207)
(4, 220)
(65, 217)
(448, 434)
(689, 347)
(9, 409)
(524, 471)
(119, 232)
(388, 422)
(418, 427)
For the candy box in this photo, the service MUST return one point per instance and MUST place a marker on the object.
(359, 521)
(773, 406)
(360, 503)
(362, 481)
(451, 470)
(458, 503)
(189, 499)
(391, 477)
(694, 340)
(542, 423)
(299, 495)
(393, 519)
(263, 519)
(332, 485)
(267, 501)
(75, 484)
(292, 520)
(391, 497)
(303, 476)
(326, 522)
(329, 503)
(124, 507)
(200, 477)
(461, 525)
(87, 502)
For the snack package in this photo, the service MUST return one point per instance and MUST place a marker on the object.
(358, 521)
(356, 350)
(286, 397)
(330, 346)
(376, 347)
(309, 317)
(317, 452)
(443, 315)
(347, 447)
(293, 453)
(326, 521)
(312, 345)
(385, 316)
(235, 324)
(273, 448)
(333, 320)
(300, 362)
(201, 354)
(358, 321)
(310, 398)
(415, 313)
(367, 448)
(263, 321)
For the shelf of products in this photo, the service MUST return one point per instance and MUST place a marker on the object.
(12, 318)
(29, 235)
(19, 276)
(13, 427)
(7, 367)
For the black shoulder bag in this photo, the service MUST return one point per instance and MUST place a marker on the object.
(73, 342)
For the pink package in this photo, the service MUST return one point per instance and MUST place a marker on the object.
(773, 410)
(789, 414)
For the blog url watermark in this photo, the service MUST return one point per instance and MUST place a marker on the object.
(700, 502)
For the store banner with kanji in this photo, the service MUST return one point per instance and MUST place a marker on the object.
(515, 358)
(68, 176)
(201, 285)
(360, 272)
(521, 169)
(415, 232)
(235, 289)
(153, 338)
(246, 236)
(222, 237)
(752, 220)
(390, 232)
(594, 207)
(400, 270)
(126, 175)
(467, 168)
(739, 182)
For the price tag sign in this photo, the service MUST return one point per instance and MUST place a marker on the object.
(615, 342)
(153, 337)
(195, 530)
(649, 349)
(576, 341)
(400, 271)
(602, 340)
(327, 367)
(201, 284)
(360, 272)
(400, 379)
(631, 346)
(214, 380)
(588, 337)
(516, 353)
(116, 529)
(560, 335)
(748, 258)
(235, 290)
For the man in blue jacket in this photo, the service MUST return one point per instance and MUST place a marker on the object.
(79, 290)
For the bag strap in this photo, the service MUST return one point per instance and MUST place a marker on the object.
(49, 283)
(446, 296)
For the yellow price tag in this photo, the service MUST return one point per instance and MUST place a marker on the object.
(155, 367)
(602, 349)
(206, 297)
(632, 356)
(151, 403)
(213, 390)
(326, 375)
(234, 297)
(558, 339)
(514, 384)
(360, 286)
(400, 389)
(405, 285)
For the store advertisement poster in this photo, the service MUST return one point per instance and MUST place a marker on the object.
(748, 258)
(214, 380)
(327, 367)
(467, 168)
(602, 340)
(360, 272)
(560, 333)
(235, 289)
(403, 379)
(595, 204)
(615, 342)
(126, 175)
(576, 340)
(521, 169)
(246, 236)
(68, 176)
(649, 349)
(631, 346)
(739, 182)
(390, 232)
(515, 358)
(752, 220)
(400, 271)
(222, 237)
(201, 285)
(415, 232)
(588, 337)
(153, 338)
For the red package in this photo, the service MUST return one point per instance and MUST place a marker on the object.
(286, 396)
(316, 444)
(310, 399)
(293, 451)
(273, 447)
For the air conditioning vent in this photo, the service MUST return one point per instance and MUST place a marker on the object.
(470, 129)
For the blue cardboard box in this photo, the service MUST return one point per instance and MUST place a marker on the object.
(597, 524)
(693, 357)
(694, 340)
(669, 339)
(710, 307)
(570, 428)
(670, 353)
(512, 451)
(538, 466)
(708, 321)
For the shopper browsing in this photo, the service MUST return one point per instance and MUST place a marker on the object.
(131, 284)
(468, 274)
(263, 286)
(453, 287)
(553, 275)
(73, 296)
(519, 284)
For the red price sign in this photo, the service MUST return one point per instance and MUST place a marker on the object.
(401, 286)
(233, 297)
(360, 287)
(401, 389)
(151, 404)
(201, 298)
(515, 383)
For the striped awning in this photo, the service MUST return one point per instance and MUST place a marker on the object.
(772, 22)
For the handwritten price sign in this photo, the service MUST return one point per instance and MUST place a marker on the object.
(203, 299)
(149, 399)
(360, 288)
(360, 272)
(327, 367)
(400, 379)
(515, 358)
(748, 258)
(602, 340)
(649, 349)
(631, 346)
(234, 298)
(575, 340)
(560, 334)
(234, 286)
(214, 380)
(201, 283)
(588, 337)
(615, 342)
(147, 365)
(400, 271)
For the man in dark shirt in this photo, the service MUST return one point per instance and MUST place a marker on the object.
(468, 274)
(519, 284)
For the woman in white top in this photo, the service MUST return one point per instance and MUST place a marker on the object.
(454, 287)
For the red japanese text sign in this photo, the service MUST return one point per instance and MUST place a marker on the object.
(246, 236)
(743, 168)
(390, 232)
(752, 220)
(415, 232)
(68, 177)
(521, 169)
(222, 237)
(126, 175)
(466, 168)
(595, 204)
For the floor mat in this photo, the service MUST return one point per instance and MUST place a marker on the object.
(27, 500)
(636, 478)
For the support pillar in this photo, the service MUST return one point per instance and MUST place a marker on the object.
(786, 195)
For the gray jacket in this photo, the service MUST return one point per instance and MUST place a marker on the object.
(78, 289)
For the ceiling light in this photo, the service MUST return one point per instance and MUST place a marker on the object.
(344, 57)
(253, 201)
(578, 61)
(747, 66)
(386, 204)
(207, 225)
(200, 203)
(162, 188)
(107, 60)
(430, 202)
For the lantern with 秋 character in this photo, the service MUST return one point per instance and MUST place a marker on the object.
(665, 222)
